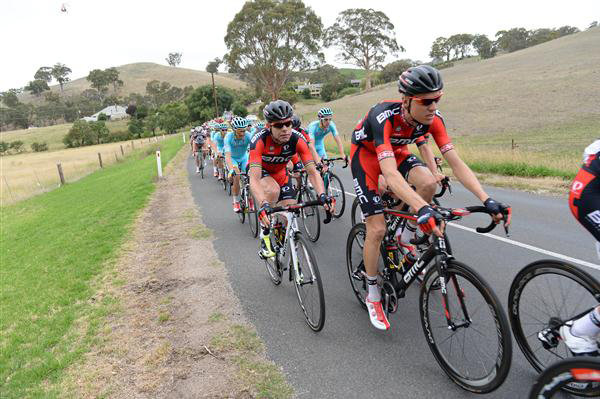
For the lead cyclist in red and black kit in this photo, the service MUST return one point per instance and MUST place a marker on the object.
(380, 147)
(270, 151)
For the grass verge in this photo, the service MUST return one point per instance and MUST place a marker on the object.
(52, 246)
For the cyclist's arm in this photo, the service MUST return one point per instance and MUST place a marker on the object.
(255, 173)
(428, 157)
(340, 145)
(309, 164)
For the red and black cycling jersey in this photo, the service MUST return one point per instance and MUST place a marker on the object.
(384, 131)
(272, 157)
(584, 198)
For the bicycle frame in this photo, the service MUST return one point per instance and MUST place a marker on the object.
(290, 232)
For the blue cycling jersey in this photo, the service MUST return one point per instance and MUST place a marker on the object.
(237, 147)
(219, 140)
(317, 134)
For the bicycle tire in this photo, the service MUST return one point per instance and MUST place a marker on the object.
(252, 217)
(340, 198)
(273, 264)
(578, 370)
(304, 251)
(521, 282)
(243, 207)
(356, 215)
(313, 230)
(500, 367)
(354, 262)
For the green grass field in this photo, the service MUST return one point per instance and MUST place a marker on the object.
(52, 247)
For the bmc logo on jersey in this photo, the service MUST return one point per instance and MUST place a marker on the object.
(274, 159)
(399, 141)
(360, 134)
(386, 114)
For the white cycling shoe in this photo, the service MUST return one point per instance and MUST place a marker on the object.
(377, 315)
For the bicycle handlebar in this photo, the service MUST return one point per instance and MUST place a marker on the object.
(297, 207)
(445, 186)
(332, 160)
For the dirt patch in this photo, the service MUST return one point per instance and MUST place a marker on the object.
(178, 330)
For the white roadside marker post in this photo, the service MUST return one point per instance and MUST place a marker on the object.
(182, 136)
(158, 164)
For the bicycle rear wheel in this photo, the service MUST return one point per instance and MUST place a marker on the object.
(311, 220)
(476, 353)
(544, 295)
(308, 284)
(243, 207)
(584, 371)
(252, 214)
(354, 262)
(356, 215)
(335, 189)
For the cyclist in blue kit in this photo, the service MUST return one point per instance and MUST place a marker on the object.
(319, 129)
(236, 146)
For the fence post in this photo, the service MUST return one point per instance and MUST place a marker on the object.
(60, 174)
(122, 152)
(182, 136)
(132, 145)
(100, 160)
(7, 186)
(158, 164)
(116, 157)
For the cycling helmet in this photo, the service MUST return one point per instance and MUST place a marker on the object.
(296, 121)
(223, 126)
(278, 110)
(239, 123)
(323, 112)
(260, 125)
(420, 79)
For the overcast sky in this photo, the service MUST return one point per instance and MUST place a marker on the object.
(105, 33)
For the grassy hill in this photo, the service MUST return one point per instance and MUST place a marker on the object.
(136, 76)
(546, 86)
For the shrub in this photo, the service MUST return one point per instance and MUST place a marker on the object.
(306, 93)
(39, 147)
(135, 127)
(17, 145)
(348, 90)
(4, 147)
(103, 117)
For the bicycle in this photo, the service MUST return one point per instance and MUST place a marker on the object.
(199, 156)
(475, 311)
(293, 253)
(333, 185)
(222, 171)
(247, 204)
(310, 216)
(544, 296)
(583, 371)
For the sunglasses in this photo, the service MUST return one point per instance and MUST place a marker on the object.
(326, 119)
(280, 125)
(427, 101)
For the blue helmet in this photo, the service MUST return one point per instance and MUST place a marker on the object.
(260, 125)
(223, 126)
(239, 123)
(324, 112)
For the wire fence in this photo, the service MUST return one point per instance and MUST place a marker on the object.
(26, 175)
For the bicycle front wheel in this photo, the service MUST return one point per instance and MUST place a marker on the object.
(476, 351)
(335, 189)
(309, 287)
(356, 215)
(311, 220)
(243, 207)
(252, 215)
(273, 264)
(581, 371)
(542, 296)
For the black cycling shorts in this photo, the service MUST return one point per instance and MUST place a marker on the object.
(286, 191)
(366, 171)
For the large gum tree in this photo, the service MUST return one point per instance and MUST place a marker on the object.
(268, 39)
(364, 37)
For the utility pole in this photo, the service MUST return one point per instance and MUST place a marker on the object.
(212, 68)
(215, 95)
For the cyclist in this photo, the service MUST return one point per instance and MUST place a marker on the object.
(198, 142)
(380, 147)
(236, 155)
(581, 335)
(192, 134)
(219, 148)
(270, 151)
(319, 129)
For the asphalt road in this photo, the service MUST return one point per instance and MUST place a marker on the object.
(351, 359)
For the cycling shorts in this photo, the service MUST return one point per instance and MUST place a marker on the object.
(584, 201)
(366, 171)
(321, 151)
(241, 163)
(286, 188)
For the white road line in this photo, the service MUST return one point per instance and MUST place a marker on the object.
(526, 246)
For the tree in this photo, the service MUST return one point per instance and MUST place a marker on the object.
(37, 87)
(173, 116)
(135, 127)
(461, 44)
(151, 122)
(200, 102)
(326, 73)
(103, 117)
(60, 72)
(77, 135)
(239, 110)
(212, 68)
(441, 48)
(484, 46)
(268, 39)
(392, 71)
(44, 73)
(112, 76)
(365, 38)
(99, 80)
(513, 39)
(9, 98)
(566, 30)
(306, 93)
(174, 59)
(52, 98)
(593, 24)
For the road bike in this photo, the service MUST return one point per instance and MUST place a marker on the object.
(199, 156)
(310, 216)
(576, 371)
(293, 253)
(462, 319)
(247, 208)
(544, 296)
(333, 185)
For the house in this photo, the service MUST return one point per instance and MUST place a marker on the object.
(114, 112)
(355, 82)
(315, 88)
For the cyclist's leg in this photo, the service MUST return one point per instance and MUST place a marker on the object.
(271, 190)
(365, 186)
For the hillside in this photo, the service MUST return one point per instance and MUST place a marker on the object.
(136, 76)
(542, 87)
